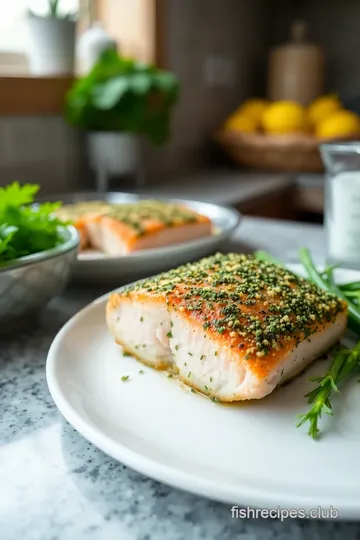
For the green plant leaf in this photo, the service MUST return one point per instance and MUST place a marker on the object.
(25, 228)
(53, 8)
(106, 96)
(141, 83)
(165, 81)
(121, 94)
(16, 195)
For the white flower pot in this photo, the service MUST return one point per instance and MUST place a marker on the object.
(113, 154)
(51, 46)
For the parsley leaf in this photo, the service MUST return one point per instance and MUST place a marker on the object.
(26, 228)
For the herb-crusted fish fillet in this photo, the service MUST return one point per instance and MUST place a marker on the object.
(230, 326)
(76, 213)
(144, 225)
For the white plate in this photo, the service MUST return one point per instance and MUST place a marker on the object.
(249, 454)
(95, 266)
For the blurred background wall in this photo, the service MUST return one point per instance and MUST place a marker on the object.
(219, 50)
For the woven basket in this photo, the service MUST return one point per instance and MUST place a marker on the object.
(288, 153)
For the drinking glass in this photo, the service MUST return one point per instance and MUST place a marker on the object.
(342, 202)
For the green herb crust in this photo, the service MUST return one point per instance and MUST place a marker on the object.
(137, 216)
(257, 304)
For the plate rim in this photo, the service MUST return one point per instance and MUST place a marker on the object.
(186, 481)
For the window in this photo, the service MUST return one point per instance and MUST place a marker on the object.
(136, 25)
(13, 31)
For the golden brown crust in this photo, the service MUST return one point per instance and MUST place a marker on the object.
(259, 310)
(131, 222)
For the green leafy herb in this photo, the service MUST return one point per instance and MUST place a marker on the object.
(344, 365)
(330, 286)
(123, 95)
(26, 228)
(266, 257)
(125, 378)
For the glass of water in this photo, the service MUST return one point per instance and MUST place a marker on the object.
(342, 202)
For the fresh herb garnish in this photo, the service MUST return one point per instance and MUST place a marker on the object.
(25, 228)
(125, 378)
(346, 362)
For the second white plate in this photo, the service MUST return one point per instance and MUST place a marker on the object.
(97, 267)
(248, 454)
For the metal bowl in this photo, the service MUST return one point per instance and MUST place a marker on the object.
(27, 284)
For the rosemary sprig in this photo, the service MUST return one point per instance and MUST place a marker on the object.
(345, 363)
(330, 286)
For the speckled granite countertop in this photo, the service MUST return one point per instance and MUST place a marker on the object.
(54, 485)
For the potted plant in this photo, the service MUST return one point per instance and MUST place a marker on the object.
(52, 41)
(119, 101)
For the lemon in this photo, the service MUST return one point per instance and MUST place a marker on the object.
(339, 124)
(284, 117)
(323, 107)
(254, 108)
(241, 122)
